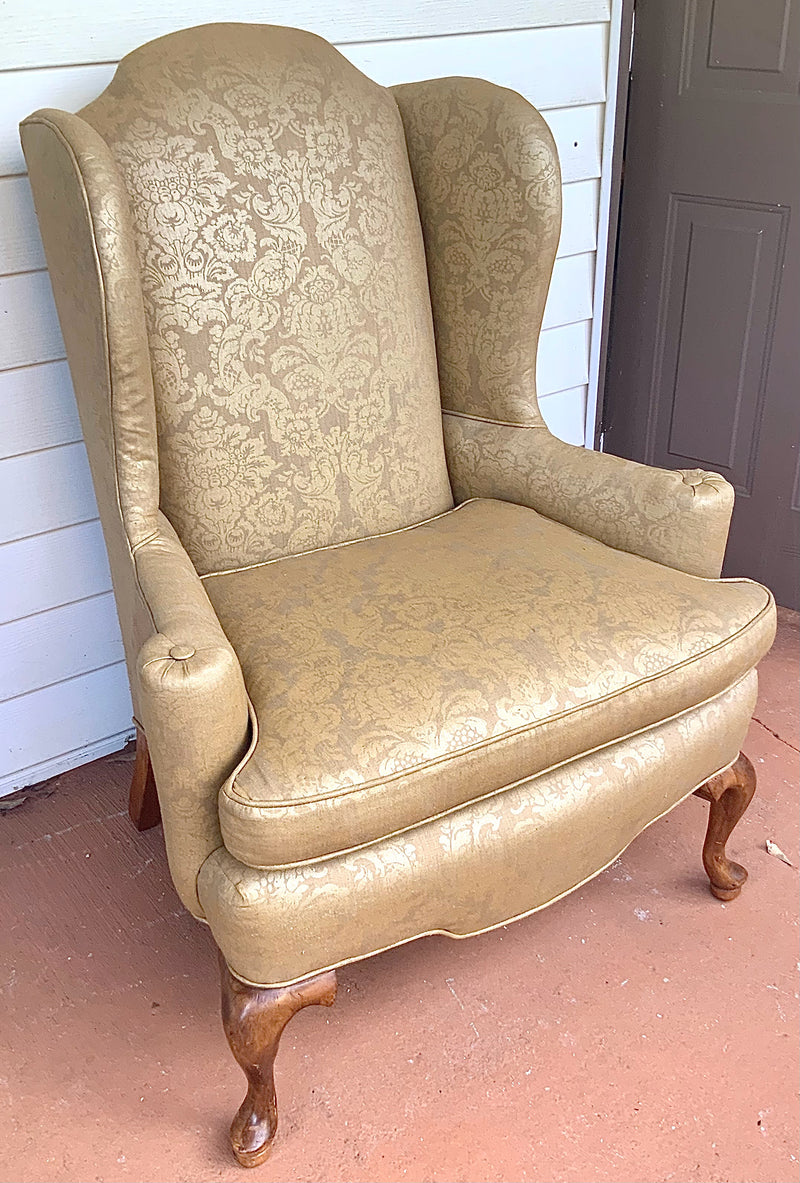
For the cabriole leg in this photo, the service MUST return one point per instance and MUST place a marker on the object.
(254, 1018)
(143, 808)
(730, 792)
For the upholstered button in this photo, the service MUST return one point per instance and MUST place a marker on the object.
(181, 652)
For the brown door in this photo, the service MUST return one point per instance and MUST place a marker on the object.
(704, 347)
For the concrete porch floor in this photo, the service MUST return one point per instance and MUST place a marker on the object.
(636, 1032)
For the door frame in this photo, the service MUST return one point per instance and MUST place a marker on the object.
(618, 76)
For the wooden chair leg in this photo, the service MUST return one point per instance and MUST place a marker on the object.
(730, 792)
(254, 1018)
(143, 807)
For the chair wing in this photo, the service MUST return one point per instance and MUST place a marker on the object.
(84, 217)
(488, 185)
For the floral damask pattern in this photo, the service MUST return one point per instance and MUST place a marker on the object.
(285, 292)
(487, 179)
(676, 517)
(478, 867)
(489, 190)
(273, 220)
(398, 676)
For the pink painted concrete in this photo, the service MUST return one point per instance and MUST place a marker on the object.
(636, 1032)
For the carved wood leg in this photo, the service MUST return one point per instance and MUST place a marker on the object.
(254, 1018)
(730, 792)
(143, 808)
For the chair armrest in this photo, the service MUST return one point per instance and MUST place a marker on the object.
(194, 705)
(677, 518)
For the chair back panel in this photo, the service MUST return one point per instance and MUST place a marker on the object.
(285, 292)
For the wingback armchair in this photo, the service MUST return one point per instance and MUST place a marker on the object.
(403, 662)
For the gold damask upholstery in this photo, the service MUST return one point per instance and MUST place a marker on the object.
(488, 184)
(497, 859)
(285, 292)
(487, 180)
(400, 677)
(301, 314)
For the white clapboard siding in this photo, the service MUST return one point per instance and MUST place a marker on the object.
(20, 241)
(24, 91)
(45, 570)
(44, 770)
(563, 358)
(63, 687)
(52, 646)
(578, 218)
(564, 412)
(529, 61)
(79, 716)
(83, 31)
(29, 330)
(578, 133)
(44, 491)
(37, 409)
(571, 291)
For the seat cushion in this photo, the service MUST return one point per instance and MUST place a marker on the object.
(485, 864)
(403, 675)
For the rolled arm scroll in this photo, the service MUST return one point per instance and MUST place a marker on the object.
(677, 518)
(193, 703)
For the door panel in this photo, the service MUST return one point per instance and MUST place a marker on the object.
(704, 346)
(726, 257)
(741, 45)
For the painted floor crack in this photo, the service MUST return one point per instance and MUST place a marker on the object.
(779, 738)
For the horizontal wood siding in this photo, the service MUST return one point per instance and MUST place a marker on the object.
(43, 491)
(63, 688)
(565, 412)
(58, 644)
(59, 567)
(37, 409)
(58, 726)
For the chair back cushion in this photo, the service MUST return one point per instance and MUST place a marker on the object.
(285, 292)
